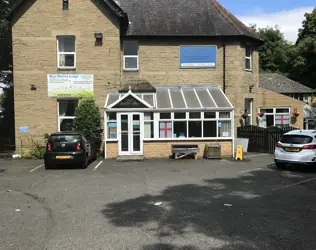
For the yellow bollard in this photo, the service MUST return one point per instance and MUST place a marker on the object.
(239, 153)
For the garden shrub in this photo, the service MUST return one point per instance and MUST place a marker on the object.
(88, 121)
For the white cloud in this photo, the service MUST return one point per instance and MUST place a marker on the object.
(289, 21)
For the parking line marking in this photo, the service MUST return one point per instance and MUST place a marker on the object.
(36, 168)
(98, 165)
(246, 171)
(248, 156)
(297, 183)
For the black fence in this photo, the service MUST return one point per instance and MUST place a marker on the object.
(262, 140)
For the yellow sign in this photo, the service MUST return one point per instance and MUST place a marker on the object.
(239, 153)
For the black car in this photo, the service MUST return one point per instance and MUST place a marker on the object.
(69, 148)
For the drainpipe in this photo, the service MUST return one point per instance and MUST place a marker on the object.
(224, 68)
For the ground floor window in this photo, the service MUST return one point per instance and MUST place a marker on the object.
(195, 124)
(174, 125)
(248, 110)
(279, 117)
(66, 114)
(111, 125)
(149, 125)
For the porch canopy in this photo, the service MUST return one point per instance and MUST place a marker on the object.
(181, 98)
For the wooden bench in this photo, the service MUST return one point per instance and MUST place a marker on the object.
(182, 150)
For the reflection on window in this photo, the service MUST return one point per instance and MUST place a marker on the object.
(66, 51)
(66, 114)
(149, 125)
(192, 125)
(279, 117)
(224, 129)
(130, 55)
(111, 125)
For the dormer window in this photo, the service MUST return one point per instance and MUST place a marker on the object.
(65, 4)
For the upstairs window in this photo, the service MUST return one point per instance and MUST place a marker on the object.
(130, 57)
(65, 5)
(66, 49)
(248, 59)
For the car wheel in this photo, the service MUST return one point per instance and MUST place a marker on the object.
(279, 165)
(47, 166)
(85, 163)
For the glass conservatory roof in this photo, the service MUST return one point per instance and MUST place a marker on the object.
(170, 98)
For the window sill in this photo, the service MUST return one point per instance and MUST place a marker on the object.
(180, 139)
(67, 69)
(197, 67)
(131, 70)
(248, 70)
(188, 139)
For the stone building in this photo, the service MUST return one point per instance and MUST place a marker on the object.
(161, 71)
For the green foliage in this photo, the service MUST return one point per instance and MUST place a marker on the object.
(88, 120)
(304, 60)
(36, 152)
(297, 61)
(275, 53)
(7, 120)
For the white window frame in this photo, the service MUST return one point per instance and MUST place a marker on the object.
(274, 112)
(250, 109)
(157, 121)
(130, 56)
(107, 121)
(248, 58)
(150, 121)
(187, 119)
(66, 53)
(64, 117)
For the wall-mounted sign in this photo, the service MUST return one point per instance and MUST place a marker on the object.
(24, 129)
(198, 56)
(64, 85)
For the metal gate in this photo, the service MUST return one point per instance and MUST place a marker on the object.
(262, 140)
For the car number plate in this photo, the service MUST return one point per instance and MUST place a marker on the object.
(292, 149)
(63, 157)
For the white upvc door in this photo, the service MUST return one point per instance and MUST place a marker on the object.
(130, 133)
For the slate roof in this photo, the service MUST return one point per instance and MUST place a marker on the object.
(281, 84)
(174, 18)
(137, 86)
(181, 18)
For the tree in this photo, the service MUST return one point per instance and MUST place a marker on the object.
(6, 84)
(275, 53)
(304, 60)
(88, 120)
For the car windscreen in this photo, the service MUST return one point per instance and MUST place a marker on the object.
(296, 139)
(65, 138)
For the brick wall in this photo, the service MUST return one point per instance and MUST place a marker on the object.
(161, 149)
(111, 150)
(34, 30)
(271, 99)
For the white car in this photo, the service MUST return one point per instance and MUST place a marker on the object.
(296, 147)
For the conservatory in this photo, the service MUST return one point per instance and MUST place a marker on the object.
(148, 122)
